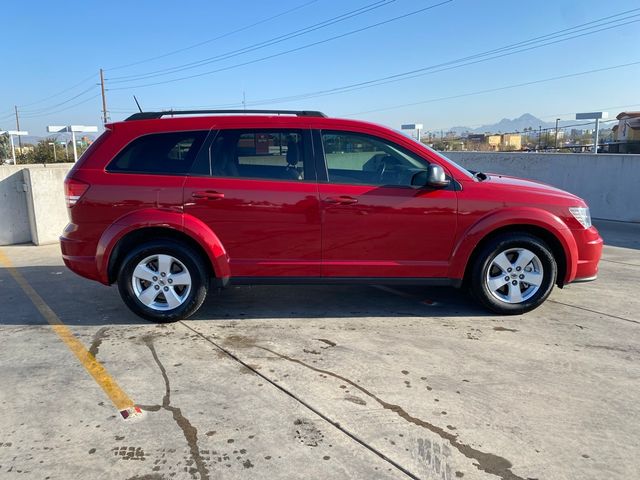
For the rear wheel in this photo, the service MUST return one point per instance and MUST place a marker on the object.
(163, 281)
(513, 273)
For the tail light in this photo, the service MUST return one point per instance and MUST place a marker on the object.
(73, 191)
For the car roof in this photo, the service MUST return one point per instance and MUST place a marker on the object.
(198, 122)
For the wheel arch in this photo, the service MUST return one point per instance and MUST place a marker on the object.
(153, 224)
(546, 236)
(541, 224)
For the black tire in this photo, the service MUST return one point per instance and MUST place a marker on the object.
(190, 259)
(483, 262)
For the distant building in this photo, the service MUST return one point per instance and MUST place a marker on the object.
(628, 132)
(505, 142)
(24, 149)
(494, 142)
(476, 137)
(511, 141)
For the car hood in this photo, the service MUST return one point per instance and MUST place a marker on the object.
(531, 186)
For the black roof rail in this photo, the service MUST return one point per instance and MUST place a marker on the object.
(152, 115)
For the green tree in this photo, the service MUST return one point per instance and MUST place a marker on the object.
(43, 152)
(5, 147)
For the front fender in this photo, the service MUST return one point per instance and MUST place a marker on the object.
(512, 217)
(191, 226)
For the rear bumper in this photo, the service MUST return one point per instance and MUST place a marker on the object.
(589, 245)
(79, 255)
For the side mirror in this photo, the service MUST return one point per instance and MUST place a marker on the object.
(434, 176)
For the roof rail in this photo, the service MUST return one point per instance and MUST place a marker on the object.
(152, 115)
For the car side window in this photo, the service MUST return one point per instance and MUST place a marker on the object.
(170, 153)
(355, 158)
(261, 154)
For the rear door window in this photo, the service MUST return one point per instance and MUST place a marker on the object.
(262, 154)
(159, 153)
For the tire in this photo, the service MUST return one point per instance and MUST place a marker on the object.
(177, 294)
(502, 267)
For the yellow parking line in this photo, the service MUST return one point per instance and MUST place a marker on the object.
(117, 396)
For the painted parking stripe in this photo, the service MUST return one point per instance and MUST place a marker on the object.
(118, 397)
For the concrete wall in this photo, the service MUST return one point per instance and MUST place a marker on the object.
(14, 219)
(609, 183)
(45, 202)
(32, 205)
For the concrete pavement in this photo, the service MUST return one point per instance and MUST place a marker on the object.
(325, 381)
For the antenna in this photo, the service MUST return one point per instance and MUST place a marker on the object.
(137, 103)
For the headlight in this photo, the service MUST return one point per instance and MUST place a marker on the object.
(582, 215)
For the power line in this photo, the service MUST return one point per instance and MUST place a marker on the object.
(211, 40)
(62, 109)
(326, 40)
(613, 107)
(497, 89)
(82, 82)
(450, 65)
(52, 107)
(510, 49)
(256, 46)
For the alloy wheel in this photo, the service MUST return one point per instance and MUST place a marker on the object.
(161, 282)
(514, 275)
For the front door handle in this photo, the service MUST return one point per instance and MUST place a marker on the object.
(341, 200)
(208, 194)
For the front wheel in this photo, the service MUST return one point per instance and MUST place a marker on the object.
(163, 281)
(513, 274)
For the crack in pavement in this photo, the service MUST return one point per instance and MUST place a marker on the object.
(487, 462)
(97, 341)
(594, 311)
(189, 431)
(247, 343)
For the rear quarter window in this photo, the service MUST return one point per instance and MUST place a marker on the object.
(170, 153)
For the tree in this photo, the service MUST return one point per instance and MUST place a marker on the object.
(5, 147)
(42, 152)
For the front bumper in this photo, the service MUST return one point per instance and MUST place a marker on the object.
(589, 245)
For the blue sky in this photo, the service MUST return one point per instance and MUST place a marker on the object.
(47, 50)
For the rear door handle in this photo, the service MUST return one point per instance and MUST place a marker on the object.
(341, 200)
(208, 194)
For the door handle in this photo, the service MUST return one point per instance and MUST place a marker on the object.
(208, 194)
(341, 200)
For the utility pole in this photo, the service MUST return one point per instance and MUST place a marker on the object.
(18, 127)
(104, 99)
(557, 120)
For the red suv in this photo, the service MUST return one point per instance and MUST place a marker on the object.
(166, 207)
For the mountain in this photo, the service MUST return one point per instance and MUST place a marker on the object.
(507, 125)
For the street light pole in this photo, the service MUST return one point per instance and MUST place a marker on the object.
(557, 120)
(75, 148)
(17, 133)
(73, 129)
(597, 116)
(539, 137)
(55, 159)
(13, 149)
